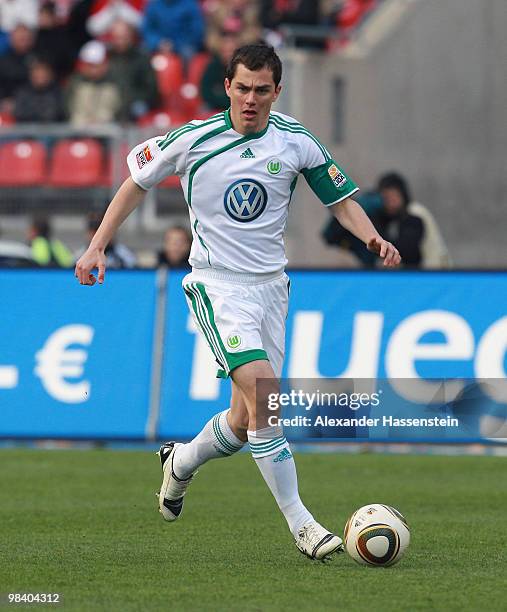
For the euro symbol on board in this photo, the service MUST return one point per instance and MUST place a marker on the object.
(56, 363)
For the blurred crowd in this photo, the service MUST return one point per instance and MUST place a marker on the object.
(90, 62)
(42, 248)
(97, 61)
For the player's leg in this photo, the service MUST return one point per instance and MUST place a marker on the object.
(237, 417)
(222, 315)
(222, 436)
(273, 457)
(268, 445)
(181, 461)
(279, 468)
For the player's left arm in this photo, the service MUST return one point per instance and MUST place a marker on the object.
(334, 188)
(352, 217)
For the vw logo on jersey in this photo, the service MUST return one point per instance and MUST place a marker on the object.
(245, 200)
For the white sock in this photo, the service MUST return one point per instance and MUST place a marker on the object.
(215, 440)
(272, 455)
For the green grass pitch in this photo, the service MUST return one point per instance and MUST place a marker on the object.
(84, 524)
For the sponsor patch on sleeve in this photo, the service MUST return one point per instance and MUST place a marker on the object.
(338, 178)
(144, 156)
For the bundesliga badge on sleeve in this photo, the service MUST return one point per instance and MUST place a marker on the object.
(144, 156)
(338, 178)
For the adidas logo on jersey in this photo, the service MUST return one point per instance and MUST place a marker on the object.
(283, 455)
(248, 154)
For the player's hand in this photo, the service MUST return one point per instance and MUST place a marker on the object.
(386, 251)
(91, 259)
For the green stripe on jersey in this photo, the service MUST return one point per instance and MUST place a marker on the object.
(201, 240)
(212, 134)
(297, 128)
(172, 136)
(294, 129)
(188, 127)
(191, 126)
(293, 186)
(223, 149)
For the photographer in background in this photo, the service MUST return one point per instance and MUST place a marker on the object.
(408, 224)
(413, 227)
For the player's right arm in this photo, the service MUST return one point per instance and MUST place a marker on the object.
(127, 198)
(149, 163)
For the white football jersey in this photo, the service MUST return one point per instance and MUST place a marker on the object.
(238, 188)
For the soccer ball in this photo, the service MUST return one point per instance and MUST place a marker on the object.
(376, 535)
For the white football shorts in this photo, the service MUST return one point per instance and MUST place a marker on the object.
(242, 316)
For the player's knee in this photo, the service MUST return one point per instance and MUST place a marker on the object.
(259, 415)
(255, 378)
(238, 421)
(239, 425)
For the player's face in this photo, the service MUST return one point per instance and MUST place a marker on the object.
(252, 92)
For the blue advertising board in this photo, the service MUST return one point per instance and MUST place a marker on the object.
(78, 362)
(75, 361)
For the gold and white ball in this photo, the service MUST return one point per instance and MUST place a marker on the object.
(376, 534)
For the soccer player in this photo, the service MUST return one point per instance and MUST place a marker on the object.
(238, 170)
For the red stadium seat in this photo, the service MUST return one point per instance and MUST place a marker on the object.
(77, 163)
(121, 153)
(353, 11)
(169, 71)
(22, 163)
(6, 119)
(197, 66)
(190, 91)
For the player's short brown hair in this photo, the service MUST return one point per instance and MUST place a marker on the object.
(256, 57)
